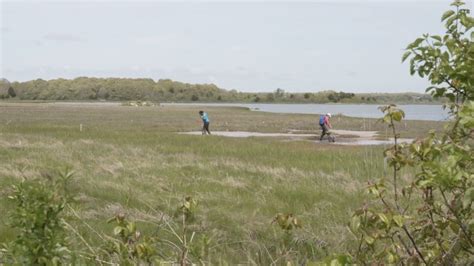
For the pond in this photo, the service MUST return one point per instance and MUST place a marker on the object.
(412, 111)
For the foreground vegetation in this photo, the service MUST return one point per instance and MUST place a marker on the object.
(428, 217)
(165, 90)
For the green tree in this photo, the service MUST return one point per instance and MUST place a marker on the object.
(279, 93)
(447, 60)
(427, 218)
(6, 89)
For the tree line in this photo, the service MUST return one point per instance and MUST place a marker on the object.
(166, 90)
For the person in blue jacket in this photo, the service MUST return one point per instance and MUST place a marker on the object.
(205, 121)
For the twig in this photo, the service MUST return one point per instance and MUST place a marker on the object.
(404, 245)
(80, 237)
(414, 244)
(96, 259)
(88, 226)
(395, 170)
(458, 220)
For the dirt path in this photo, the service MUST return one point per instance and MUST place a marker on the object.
(343, 137)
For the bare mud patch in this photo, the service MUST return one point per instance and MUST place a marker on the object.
(343, 137)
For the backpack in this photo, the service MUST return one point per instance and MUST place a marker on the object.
(321, 120)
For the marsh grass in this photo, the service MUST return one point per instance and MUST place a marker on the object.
(129, 159)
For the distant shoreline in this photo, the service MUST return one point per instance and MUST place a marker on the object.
(427, 112)
(170, 91)
(12, 100)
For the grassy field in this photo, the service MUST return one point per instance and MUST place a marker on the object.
(130, 160)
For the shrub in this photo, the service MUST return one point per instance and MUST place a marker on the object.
(38, 218)
(429, 217)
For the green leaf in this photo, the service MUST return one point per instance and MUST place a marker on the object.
(355, 224)
(415, 43)
(402, 112)
(391, 258)
(457, 3)
(370, 240)
(398, 220)
(447, 14)
(450, 21)
(384, 219)
(468, 197)
(131, 227)
(341, 260)
(406, 55)
(118, 230)
(425, 183)
(397, 116)
(454, 226)
(436, 37)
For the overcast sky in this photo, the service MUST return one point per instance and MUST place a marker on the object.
(249, 46)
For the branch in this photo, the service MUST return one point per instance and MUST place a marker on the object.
(458, 220)
(395, 138)
(404, 245)
(447, 259)
(414, 244)
(430, 212)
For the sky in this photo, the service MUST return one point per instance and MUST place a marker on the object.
(342, 45)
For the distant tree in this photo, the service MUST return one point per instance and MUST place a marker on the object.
(270, 97)
(103, 93)
(279, 93)
(114, 89)
(6, 89)
(194, 98)
(11, 92)
(333, 97)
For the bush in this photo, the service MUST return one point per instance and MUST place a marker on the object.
(38, 218)
(428, 219)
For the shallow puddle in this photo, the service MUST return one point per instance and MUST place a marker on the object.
(361, 138)
(246, 134)
(363, 142)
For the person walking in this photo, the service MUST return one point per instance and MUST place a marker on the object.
(325, 126)
(205, 121)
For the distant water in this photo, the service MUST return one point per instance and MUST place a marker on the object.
(412, 111)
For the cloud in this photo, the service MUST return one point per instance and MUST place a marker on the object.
(212, 79)
(62, 37)
(156, 39)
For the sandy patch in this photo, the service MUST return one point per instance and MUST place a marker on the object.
(246, 134)
(343, 137)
